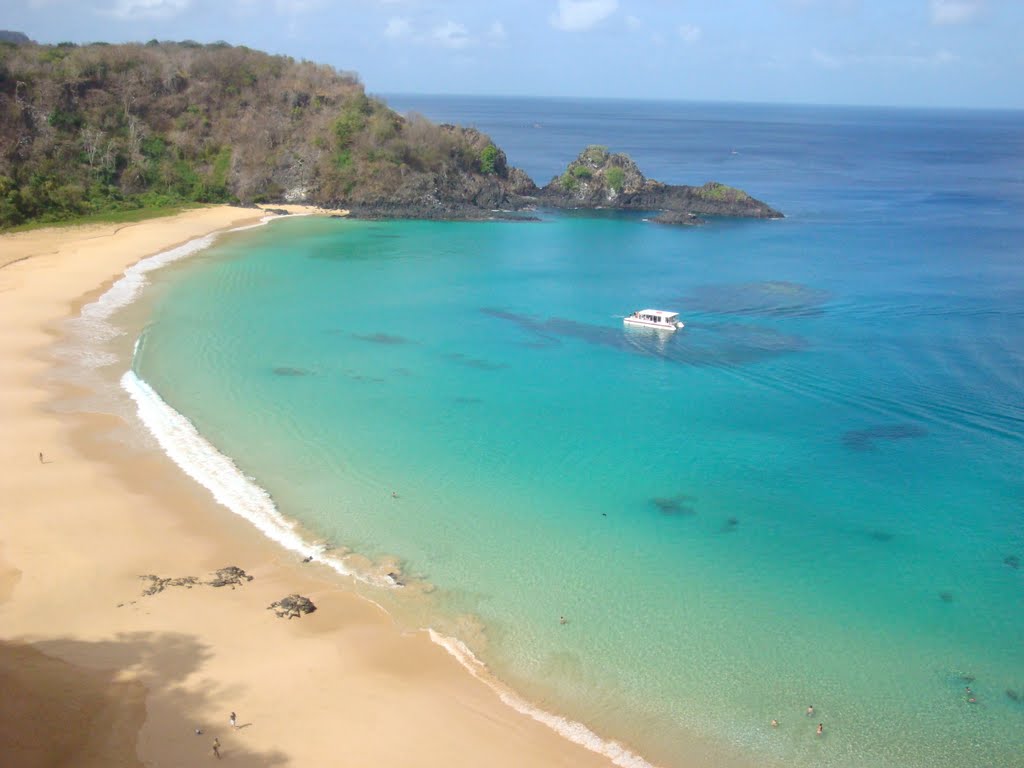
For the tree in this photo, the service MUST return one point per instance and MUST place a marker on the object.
(489, 159)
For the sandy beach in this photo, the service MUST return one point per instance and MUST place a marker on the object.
(94, 673)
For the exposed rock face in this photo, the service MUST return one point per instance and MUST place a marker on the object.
(598, 178)
(678, 218)
(449, 195)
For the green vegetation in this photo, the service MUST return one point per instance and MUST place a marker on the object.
(616, 178)
(112, 129)
(489, 156)
(581, 172)
(721, 193)
(595, 154)
(110, 217)
(569, 182)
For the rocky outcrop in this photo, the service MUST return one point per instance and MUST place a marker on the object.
(292, 607)
(449, 193)
(598, 178)
(678, 218)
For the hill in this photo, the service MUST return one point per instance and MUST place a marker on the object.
(95, 128)
(100, 127)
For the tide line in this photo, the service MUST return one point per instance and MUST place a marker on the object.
(575, 732)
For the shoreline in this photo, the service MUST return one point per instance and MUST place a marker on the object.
(72, 548)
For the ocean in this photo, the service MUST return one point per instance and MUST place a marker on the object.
(812, 495)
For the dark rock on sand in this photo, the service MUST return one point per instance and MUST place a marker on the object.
(157, 584)
(229, 577)
(292, 607)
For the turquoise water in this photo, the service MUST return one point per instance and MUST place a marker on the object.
(810, 495)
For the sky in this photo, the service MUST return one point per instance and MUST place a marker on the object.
(922, 53)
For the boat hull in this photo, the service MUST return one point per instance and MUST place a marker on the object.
(648, 324)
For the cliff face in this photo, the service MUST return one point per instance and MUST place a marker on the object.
(600, 179)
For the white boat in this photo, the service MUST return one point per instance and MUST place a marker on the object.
(654, 318)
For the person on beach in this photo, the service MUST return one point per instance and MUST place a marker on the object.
(40, 457)
(821, 729)
(216, 747)
(233, 720)
(810, 710)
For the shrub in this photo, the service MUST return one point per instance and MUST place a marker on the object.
(616, 178)
(488, 159)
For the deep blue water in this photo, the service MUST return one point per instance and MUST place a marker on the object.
(812, 494)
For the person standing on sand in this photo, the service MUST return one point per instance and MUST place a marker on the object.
(233, 720)
(216, 747)
(41, 457)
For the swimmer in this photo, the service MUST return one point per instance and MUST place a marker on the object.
(562, 620)
(821, 728)
(810, 710)
(775, 723)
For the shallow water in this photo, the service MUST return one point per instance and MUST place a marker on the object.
(810, 495)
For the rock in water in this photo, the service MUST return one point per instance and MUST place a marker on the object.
(292, 607)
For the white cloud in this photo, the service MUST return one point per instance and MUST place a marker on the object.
(690, 33)
(130, 10)
(575, 15)
(954, 11)
(913, 60)
(398, 28)
(451, 34)
(826, 60)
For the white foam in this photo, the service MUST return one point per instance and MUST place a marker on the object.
(93, 323)
(568, 729)
(176, 435)
(231, 487)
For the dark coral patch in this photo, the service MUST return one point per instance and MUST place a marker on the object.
(675, 506)
(868, 439)
(474, 362)
(381, 338)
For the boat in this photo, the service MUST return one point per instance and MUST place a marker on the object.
(654, 318)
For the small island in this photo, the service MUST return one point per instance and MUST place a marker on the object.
(598, 178)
